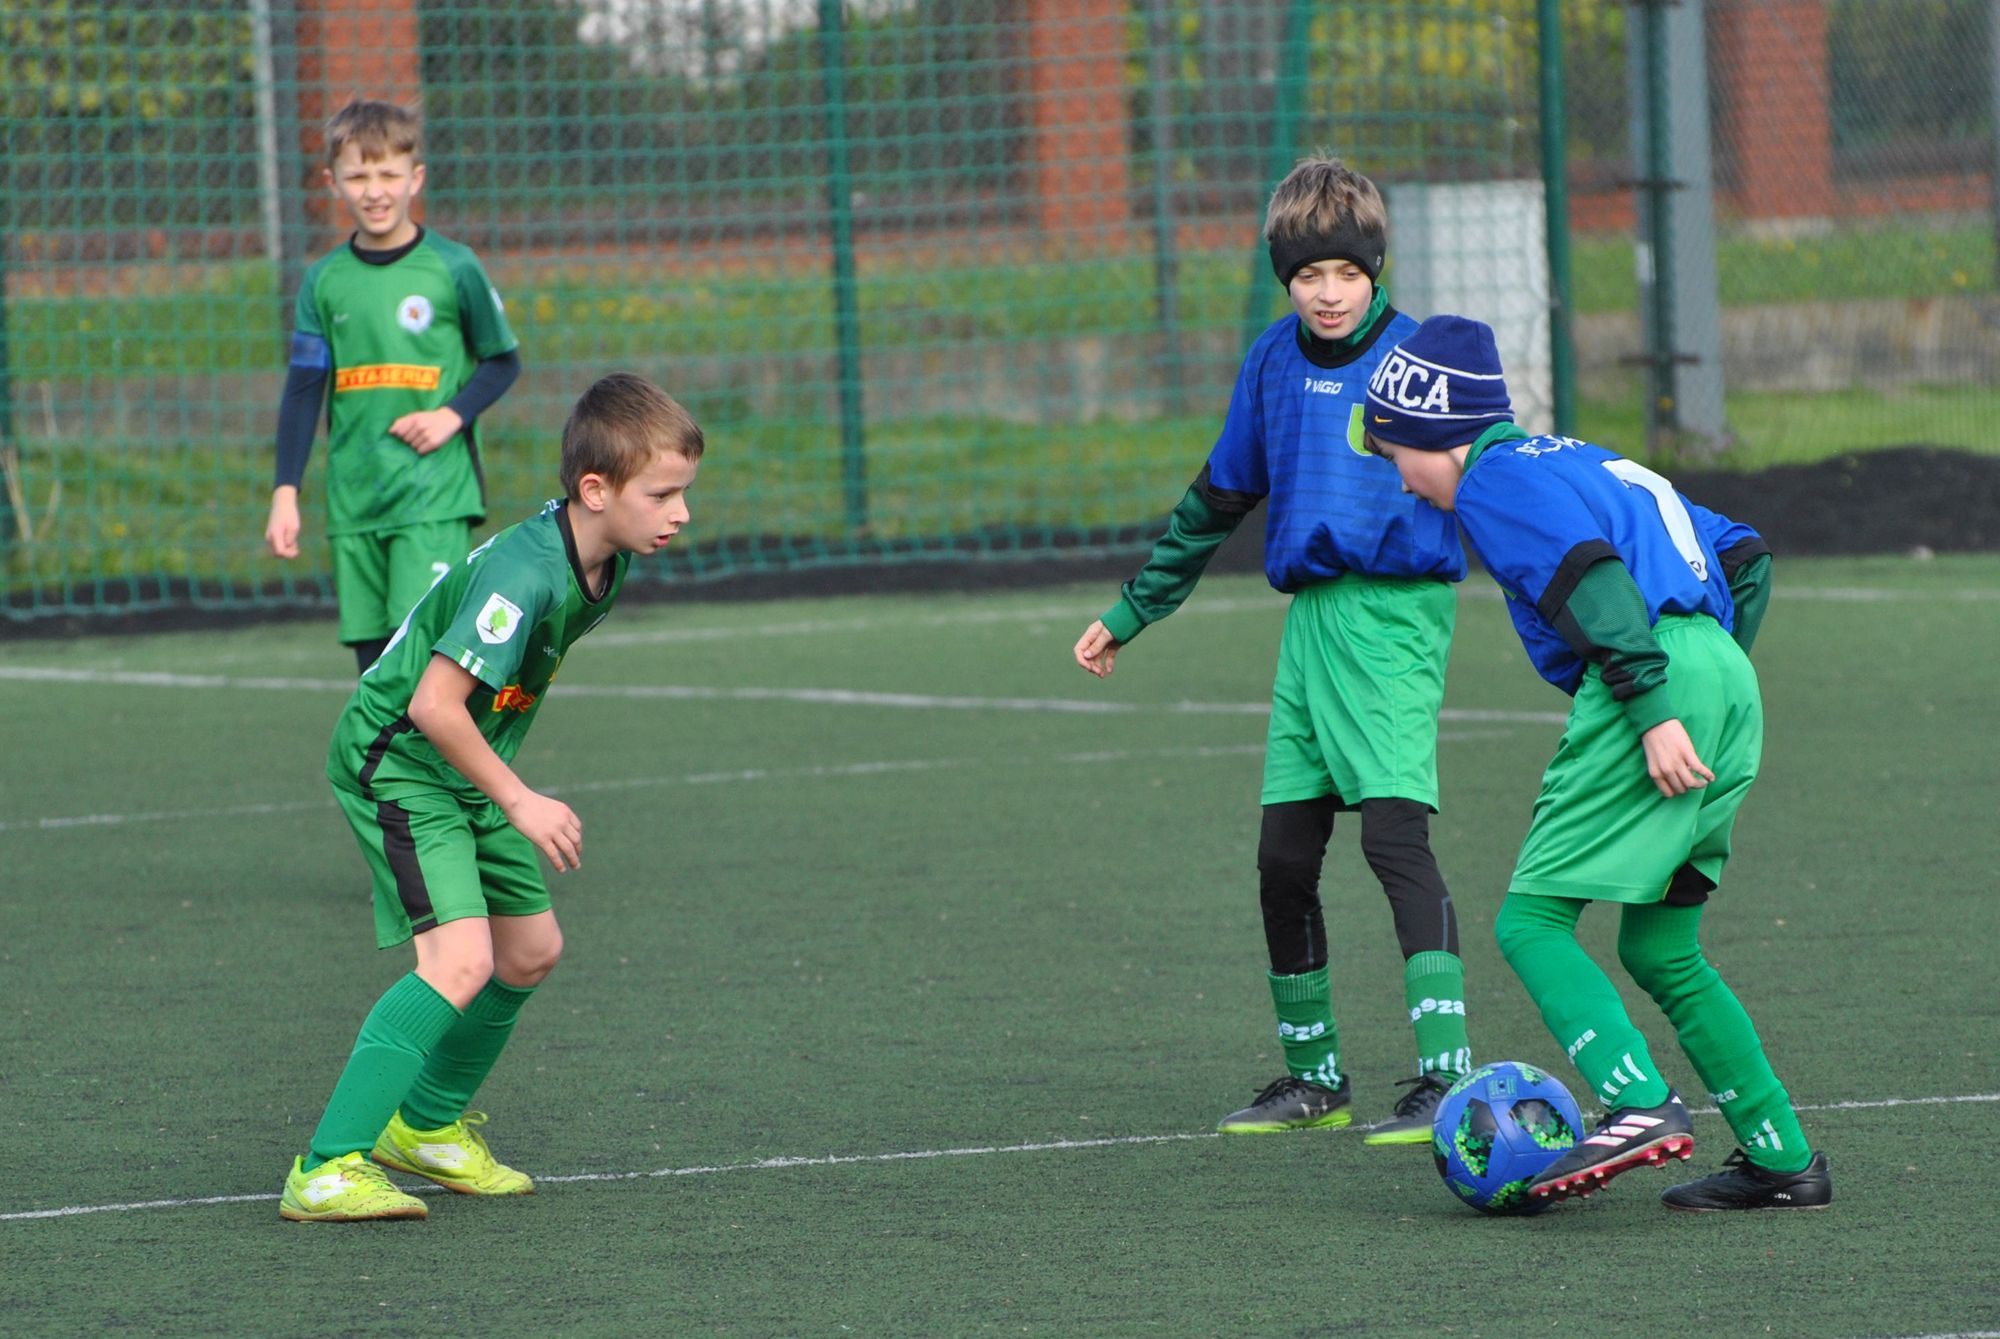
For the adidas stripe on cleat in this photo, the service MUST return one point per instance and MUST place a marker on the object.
(1626, 1138)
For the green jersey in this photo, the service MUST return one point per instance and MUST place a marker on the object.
(400, 337)
(507, 614)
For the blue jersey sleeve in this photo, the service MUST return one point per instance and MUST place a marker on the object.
(1721, 533)
(1528, 525)
(1237, 464)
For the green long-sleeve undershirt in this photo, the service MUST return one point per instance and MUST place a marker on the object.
(1604, 621)
(1205, 517)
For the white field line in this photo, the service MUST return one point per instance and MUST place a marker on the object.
(841, 697)
(816, 772)
(821, 771)
(854, 1159)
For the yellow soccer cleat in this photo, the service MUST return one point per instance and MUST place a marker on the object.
(456, 1157)
(346, 1189)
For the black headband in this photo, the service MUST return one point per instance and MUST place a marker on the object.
(1349, 241)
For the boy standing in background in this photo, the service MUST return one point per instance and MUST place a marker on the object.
(1361, 666)
(412, 335)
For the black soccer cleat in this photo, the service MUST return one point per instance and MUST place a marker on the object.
(1291, 1104)
(1626, 1138)
(1742, 1184)
(1414, 1111)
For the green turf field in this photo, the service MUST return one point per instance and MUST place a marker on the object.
(909, 968)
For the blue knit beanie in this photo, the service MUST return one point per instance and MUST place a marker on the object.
(1439, 388)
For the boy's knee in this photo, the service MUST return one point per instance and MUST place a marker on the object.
(1661, 972)
(460, 978)
(1291, 845)
(530, 963)
(1395, 833)
(1523, 922)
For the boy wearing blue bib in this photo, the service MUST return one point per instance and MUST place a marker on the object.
(1642, 606)
(1361, 664)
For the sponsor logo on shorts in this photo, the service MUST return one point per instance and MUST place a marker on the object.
(385, 377)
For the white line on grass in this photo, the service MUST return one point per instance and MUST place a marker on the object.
(853, 1159)
(811, 773)
(840, 697)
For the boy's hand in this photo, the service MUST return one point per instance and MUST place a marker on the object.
(1096, 650)
(281, 532)
(551, 825)
(427, 429)
(1671, 760)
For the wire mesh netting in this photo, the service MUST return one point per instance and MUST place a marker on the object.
(940, 278)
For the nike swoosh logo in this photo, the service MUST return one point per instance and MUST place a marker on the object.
(1379, 419)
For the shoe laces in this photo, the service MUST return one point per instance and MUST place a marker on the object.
(468, 1124)
(1425, 1089)
(367, 1170)
(1279, 1087)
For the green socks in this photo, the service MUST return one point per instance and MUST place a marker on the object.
(1578, 1002)
(461, 1062)
(1659, 945)
(1305, 1026)
(1434, 988)
(405, 1025)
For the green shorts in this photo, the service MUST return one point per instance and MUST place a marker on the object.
(437, 859)
(1602, 830)
(378, 577)
(1354, 711)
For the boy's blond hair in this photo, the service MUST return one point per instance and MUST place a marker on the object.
(1322, 195)
(617, 427)
(379, 129)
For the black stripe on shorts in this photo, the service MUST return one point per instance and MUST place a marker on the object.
(400, 848)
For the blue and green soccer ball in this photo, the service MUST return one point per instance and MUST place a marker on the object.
(1497, 1129)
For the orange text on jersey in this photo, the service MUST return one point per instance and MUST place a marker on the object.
(386, 376)
(511, 698)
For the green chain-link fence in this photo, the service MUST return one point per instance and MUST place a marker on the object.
(940, 278)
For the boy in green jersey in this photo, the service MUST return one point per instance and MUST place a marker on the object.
(421, 763)
(412, 336)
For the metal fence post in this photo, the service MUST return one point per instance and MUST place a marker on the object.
(847, 320)
(1676, 256)
(1294, 63)
(1555, 194)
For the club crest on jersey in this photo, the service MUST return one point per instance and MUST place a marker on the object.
(1399, 379)
(497, 620)
(413, 313)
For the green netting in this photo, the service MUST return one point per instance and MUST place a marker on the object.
(940, 278)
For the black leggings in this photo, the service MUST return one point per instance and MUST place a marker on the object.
(1395, 840)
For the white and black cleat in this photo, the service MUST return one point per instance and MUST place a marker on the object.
(1626, 1138)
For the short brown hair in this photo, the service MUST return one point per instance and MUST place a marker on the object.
(1323, 195)
(378, 129)
(617, 427)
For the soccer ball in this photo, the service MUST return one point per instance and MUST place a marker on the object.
(1497, 1129)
